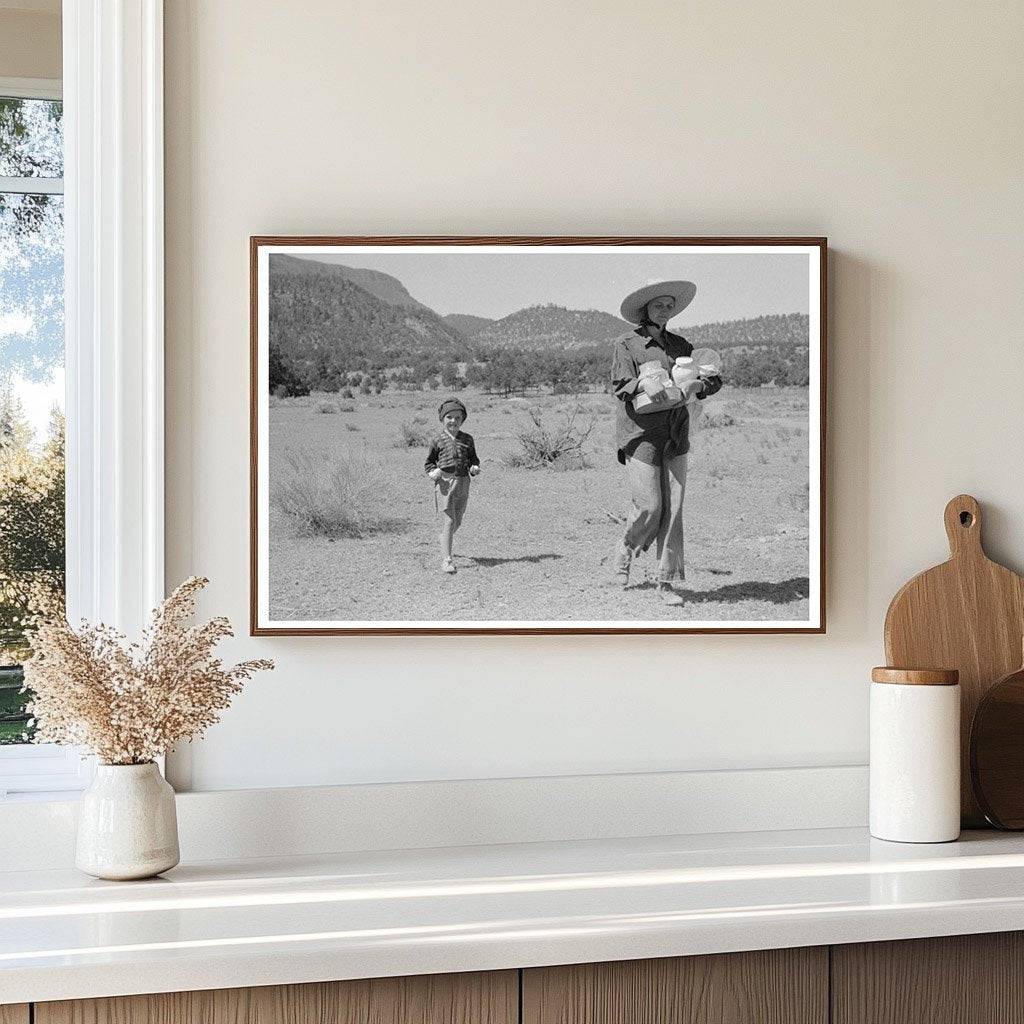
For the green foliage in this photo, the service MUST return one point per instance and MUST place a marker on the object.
(32, 548)
(14, 721)
(30, 146)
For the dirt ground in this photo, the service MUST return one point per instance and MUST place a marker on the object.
(537, 544)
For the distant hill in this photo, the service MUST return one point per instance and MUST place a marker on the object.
(550, 326)
(330, 324)
(469, 324)
(782, 330)
(385, 287)
(323, 324)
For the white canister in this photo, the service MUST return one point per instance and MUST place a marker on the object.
(915, 755)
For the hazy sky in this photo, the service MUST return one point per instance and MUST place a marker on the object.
(729, 285)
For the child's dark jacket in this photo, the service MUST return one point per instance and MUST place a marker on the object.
(452, 455)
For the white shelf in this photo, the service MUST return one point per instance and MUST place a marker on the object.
(351, 915)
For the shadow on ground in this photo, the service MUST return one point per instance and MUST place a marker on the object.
(781, 592)
(490, 563)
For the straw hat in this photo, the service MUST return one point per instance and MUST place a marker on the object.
(634, 303)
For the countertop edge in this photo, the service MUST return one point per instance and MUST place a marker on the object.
(553, 945)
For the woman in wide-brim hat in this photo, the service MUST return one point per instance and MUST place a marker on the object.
(653, 444)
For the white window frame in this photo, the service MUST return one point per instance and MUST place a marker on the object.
(114, 326)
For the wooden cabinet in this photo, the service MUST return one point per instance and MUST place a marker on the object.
(776, 986)
(969, 979)
(962, 979)
(491, 998)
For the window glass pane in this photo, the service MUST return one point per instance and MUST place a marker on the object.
(31, 138)
(31, 433)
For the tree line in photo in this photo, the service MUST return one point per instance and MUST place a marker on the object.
(347, 330)
(755, 353)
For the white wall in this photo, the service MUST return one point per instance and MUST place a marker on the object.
(895, 129)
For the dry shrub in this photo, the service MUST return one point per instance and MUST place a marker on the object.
(800, 498)
(346, 407)
(129, 703)
(715, 418)
(603, 406)
(327, 407)
(342, 496)
(557, 446)
(414, 433)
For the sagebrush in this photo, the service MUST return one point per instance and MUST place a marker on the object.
(340, 496)
(555, 444)
(414, 433)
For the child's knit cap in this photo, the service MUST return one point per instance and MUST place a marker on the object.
(451, 405)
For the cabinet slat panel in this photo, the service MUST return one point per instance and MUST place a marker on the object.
(479, 998)
(14, 1013)
(961, 979)
(777, 986)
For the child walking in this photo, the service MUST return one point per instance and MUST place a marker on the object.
(451, 461)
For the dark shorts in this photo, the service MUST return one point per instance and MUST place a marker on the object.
(651, 449)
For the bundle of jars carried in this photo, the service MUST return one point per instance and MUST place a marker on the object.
(703, 363)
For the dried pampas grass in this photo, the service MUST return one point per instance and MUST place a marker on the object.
(129, 703)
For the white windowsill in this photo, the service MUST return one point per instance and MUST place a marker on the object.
(42, 771)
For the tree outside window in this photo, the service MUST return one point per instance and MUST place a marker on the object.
(31, 387)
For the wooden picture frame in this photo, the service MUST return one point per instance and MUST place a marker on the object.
(313, 343)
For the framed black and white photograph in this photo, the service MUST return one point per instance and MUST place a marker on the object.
(537, 435)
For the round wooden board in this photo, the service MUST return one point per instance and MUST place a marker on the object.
(997, 752)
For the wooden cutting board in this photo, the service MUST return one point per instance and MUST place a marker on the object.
(997, 752)
(967, 614)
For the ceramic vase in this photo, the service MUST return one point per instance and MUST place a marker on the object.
(127, 825)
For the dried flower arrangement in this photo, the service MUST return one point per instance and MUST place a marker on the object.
(130, 703)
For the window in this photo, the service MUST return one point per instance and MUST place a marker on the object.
(109, 208)
(32, 514)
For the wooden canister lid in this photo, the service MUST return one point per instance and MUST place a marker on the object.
(916, 676)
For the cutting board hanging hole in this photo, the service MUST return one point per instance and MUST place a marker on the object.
(963, 526)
